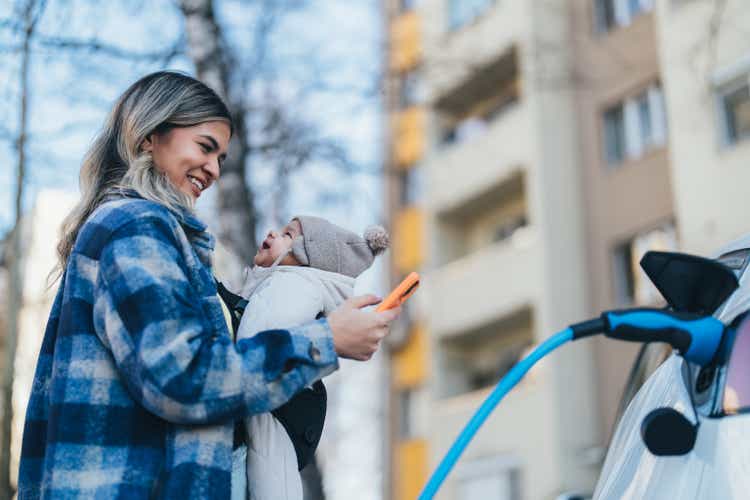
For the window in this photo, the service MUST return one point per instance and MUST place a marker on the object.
(734, 107)
(631, 285)
(464, 130)
(624, 274)
(408, 94)
(505, 229)
(406, 5)
(634, 126)
(466, 111)
(737, 387)
(412, 186)
(614, 135)
(500, 485)
(491, 218)
(480, 357)
(610, 14)
(405, 402)
(493, 477)
(463, 12)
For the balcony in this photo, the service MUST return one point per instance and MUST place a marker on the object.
(519, 428)
(517, 413)
(484, 286)
(478, 357)
(458, 172)
(451, 56)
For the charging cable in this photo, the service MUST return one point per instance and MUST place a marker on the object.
(696, 337)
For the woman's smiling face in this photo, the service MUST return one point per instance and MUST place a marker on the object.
(190, 157)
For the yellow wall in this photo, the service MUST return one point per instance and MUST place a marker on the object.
(409, 136)
(406, 45)
(411, 468)
(408, 243)
(410, 363)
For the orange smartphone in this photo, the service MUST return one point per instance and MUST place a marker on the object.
(403, 291)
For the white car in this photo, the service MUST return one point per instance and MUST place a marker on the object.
(686, 433)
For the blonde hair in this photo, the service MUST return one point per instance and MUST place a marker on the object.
(156, 103)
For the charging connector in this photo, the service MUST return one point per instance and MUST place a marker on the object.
(696, 337)
(588, 328)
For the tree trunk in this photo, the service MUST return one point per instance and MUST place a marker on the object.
(211, 57)
(15, 285)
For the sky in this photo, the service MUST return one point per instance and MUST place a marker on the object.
(71, 95)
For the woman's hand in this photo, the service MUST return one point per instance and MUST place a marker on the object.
(357, 333)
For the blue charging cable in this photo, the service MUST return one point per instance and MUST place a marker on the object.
(507, 383)
(696, 338)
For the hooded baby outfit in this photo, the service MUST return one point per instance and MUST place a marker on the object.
(284, 296)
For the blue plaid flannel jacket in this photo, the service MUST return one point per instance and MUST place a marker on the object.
(138, 382)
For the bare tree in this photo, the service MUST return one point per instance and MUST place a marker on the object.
(211, 56)
(31, 11)
(269, 129)
(275, 135)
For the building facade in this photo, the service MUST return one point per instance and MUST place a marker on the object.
(536, 151)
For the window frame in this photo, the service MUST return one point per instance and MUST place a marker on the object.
(611, 15)
(722, 91)
(406, 399)
(404, 6)
(411, 186)
(453, 25)
(409, 91)
(625, 249)
(620, 147)
(635, 144)
(506, 466)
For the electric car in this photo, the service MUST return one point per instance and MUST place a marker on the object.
(682, 434)
(686, 433)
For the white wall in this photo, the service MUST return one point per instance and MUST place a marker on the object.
(711, 181)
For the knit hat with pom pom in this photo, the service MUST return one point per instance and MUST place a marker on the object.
(329, 247)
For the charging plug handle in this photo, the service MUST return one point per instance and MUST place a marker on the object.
(696, 337)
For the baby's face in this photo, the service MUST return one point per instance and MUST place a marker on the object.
(277, 243)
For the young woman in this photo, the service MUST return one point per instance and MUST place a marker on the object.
(138, 383)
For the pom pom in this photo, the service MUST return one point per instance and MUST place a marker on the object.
(377, 239)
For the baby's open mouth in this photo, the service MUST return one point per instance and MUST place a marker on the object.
(265, 245)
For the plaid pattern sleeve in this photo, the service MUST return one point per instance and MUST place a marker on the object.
(176, 359)
(138, 382)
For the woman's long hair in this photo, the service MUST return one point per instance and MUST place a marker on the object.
(154, 104)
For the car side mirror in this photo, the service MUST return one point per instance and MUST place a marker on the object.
(690, 283)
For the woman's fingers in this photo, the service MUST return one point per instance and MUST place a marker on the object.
(363, 301)
(386, 317)
(357, 333)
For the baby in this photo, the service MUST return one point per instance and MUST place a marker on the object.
(302, 272)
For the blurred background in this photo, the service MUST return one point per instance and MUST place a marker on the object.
(523, 153)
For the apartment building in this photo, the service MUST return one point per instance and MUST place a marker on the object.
(487, 201)
(626, 176)
(537, 150)
(704, 50)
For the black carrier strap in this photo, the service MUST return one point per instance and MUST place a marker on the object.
(302, 416)
(235, 304)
